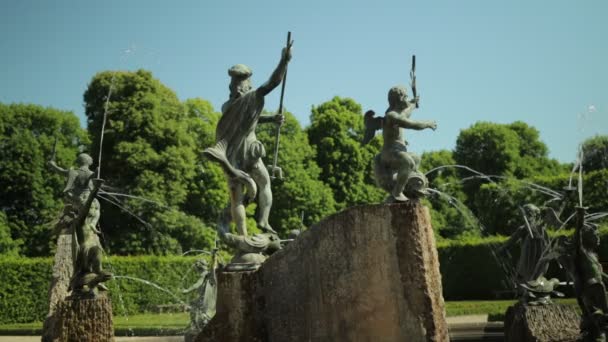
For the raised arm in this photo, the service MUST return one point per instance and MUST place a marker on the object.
(278, 73)
(56, 168)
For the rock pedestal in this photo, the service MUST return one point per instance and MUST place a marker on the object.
(84, 320)
(237, 318)
(369, 273)
(541, 323)
(62, 272)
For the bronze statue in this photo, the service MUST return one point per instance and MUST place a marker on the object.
(395, 168)
(82, 213)
(237, 149)
(202, 308)
(589, 280)
(534, 242)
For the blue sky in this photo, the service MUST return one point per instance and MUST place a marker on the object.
(543, 62)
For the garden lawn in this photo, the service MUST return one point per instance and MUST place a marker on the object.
(136, 325)
(176, 323)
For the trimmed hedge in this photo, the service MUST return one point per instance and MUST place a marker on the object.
(24, 285)
(469, 271)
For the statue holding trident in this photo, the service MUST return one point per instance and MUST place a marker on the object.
(395, 168)
(237, 149)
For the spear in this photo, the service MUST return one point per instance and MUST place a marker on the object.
(103, 124)
(275, 168)
(413, 78)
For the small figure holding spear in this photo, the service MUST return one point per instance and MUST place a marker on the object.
(396, 168)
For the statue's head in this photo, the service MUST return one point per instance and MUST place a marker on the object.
(84, 159)
(397, 95)
(532, 212)
(590, 236)
(241, 80)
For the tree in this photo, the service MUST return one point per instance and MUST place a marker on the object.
(533, 153)
(300, 198)
(450, 218)
(30, 193)
(504, 150)
(512, 154)
(336, 131)
(8, 246)
(595, 153)
(151, 149)
(490, 148)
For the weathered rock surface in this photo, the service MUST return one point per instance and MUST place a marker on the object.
(369, 273)
(541, 323)
(84, 320)
(62, 272)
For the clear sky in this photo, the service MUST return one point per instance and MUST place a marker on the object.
(543, 62)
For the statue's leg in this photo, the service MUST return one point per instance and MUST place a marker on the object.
(404, 164)
(260, 175)
(237, 207)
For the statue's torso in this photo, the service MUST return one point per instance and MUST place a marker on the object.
(237, 126)
(391, 131)
(79, 185)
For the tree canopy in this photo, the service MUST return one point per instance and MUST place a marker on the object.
(161, 196)
(152, 149)
(30, 193)
(595, 153)
(336, 131)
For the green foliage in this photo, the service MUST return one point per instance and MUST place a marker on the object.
(150, 324)
(448, 214)
(595, 184)
(301, 191)
(595, 153)
(30, 193)
(498, 205)
(469, 269)
(152, 148)
(336, 130)
(490, 148)
(8, 246)
(24, 284)
(504, 150)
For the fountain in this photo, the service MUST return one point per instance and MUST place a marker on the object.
(369, 272)
(87, 312)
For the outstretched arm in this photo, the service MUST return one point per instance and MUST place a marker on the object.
(278, 73)
(403, 120)
(56, 168)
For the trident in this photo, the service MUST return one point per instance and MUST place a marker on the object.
(276, 171)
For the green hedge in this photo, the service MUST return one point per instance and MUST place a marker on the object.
(469, 271)
(24, 285)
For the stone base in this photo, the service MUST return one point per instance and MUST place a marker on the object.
(541, 323)
(369, 273)
(62, 272)
(236, 317)
(84, 320)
